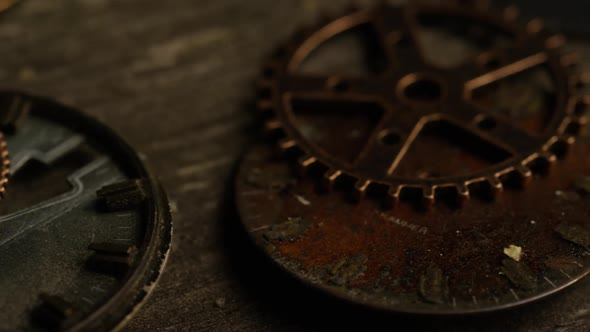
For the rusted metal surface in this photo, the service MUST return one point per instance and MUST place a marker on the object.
(445, 260)
(485, 143)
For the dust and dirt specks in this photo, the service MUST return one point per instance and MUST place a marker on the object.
(582, 184)
(291, 230)
(220, 302)
(302, 200)
(347, 270)
(434, 286)
(574, 233)
(514, 252)
(519, 274)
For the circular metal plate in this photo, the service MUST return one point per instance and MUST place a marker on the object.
(446, 260)
(85, 230)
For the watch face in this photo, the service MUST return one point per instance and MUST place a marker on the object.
(85, 230)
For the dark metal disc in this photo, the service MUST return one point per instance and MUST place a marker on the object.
(85, 229)
(447, 260)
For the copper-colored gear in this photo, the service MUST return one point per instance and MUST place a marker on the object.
(374, 167)
(4, 166)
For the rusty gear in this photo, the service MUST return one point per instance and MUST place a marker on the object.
(406, 69)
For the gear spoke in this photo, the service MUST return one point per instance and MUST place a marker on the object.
(389, 143)
(501, 63)
(412, 104)
(495, 128)
(336, 88)
(397, 32)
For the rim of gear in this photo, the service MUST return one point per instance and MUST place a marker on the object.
(373, 169)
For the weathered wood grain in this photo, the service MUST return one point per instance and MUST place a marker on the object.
(175, 79)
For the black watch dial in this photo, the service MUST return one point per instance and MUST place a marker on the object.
(84, 228)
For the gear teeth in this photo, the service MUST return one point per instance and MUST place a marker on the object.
(393, 195)
(329, 179)
(555, 41)
(546, 160)
(567, 139)
(524, 173)
(5, 167)
(428, 196)
(463, 194)
(535, 26)
(429, 192)
(360, 189)
(287, 144)
(511, 13)
(304, 163)
(572, 124)
(495, 185)
(548, 157)
(561, 144)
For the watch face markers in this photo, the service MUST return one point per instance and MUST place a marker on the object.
(57, 239)
(123, 195)
(111, 258)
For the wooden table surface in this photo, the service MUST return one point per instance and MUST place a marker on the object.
(175, 79)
